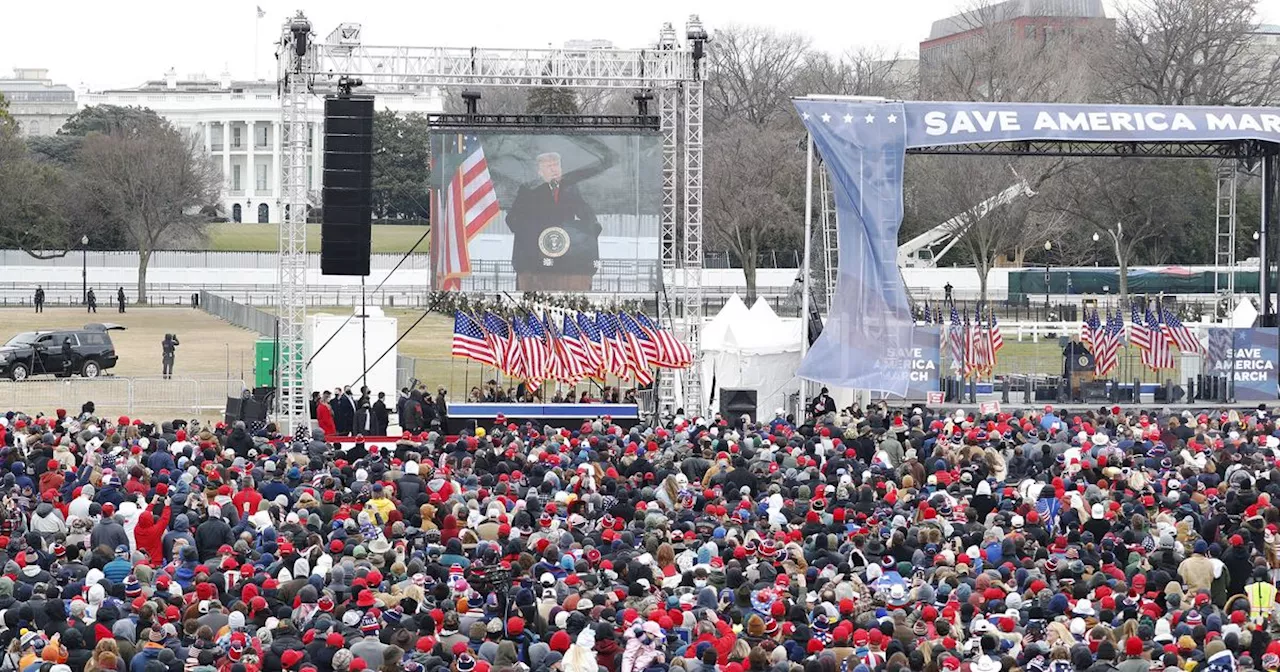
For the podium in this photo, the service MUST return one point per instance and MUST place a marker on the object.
(1077, 366)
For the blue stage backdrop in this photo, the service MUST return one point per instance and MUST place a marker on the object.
(863, 144)
(1248, 356)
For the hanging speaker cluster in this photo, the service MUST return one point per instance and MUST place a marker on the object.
(346, 232)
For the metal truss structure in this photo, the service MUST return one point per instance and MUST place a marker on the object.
(670, 69)
(297, 63)
(567, 123)
(1224, 257)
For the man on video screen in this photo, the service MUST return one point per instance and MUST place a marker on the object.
(557, 237)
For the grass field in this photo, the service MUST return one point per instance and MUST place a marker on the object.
(210, 347)
(387, 239)
(211, 350)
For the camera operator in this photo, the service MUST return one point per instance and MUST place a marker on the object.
(169, 347)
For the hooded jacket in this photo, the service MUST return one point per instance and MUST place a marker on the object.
(149, 534)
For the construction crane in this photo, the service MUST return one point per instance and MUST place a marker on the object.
(919, 251)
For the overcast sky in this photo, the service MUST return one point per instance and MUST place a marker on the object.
(120, 44)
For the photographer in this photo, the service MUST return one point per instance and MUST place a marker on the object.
(168, 347)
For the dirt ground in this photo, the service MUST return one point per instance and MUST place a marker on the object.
(210, 348)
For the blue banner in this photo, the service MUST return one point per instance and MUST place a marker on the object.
(1249, 358)
(919, 364)
(870, 319)
(863, 144)
(941, 123)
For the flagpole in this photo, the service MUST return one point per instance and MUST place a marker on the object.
(257, 22)
(808, 235)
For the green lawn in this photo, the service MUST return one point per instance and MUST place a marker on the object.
(387, 239)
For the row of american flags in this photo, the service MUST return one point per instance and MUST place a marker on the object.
(571, 349)
(1155, 331)
(974, 345)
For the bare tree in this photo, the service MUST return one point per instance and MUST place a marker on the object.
(1131, 203)
(998, 63)
(493, 100)
(750, 203)
(1190, 52)
(752, 73)
(960, 193)
(153, 182)
(862, 72)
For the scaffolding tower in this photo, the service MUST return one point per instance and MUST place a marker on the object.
(830, 238)
(1224, 258)
(671, 69)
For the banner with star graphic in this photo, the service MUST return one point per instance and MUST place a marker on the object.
(863, 145)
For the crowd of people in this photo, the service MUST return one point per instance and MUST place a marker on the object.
(1115, 540)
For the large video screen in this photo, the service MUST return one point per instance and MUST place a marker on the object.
(545, 212)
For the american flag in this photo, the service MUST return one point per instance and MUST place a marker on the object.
(928, 313)
(1138, 334)
(1179, 334)
(533, 344)
(469, 340)
(955, 336)
(1159, 355)
(997, 339)
(615, 353)
(981, 337)
(640, 350)
(1090, 329)
(498, 335)
(565, 367)
(594, 342)
(578, 347)
(462, 208)
(970, 348)
(672, 352)
(1106, 353)
(937, 314)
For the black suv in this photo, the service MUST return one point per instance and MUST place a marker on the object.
(40, 352)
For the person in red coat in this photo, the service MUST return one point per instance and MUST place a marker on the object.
(149, 532)
(324, 416)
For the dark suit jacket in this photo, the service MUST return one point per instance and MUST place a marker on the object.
(535, 209)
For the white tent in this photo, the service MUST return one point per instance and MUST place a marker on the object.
(751, 349)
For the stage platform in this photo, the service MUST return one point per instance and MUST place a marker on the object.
(468, 416)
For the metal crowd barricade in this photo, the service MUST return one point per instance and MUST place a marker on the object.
(114, 396)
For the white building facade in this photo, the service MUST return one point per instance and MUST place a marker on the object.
(39, 105)
(239, 124)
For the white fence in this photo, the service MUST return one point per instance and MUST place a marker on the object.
(113, 396)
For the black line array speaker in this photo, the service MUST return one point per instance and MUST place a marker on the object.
(734, 403)
(347, 229)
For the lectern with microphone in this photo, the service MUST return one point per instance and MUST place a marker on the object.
(1077, 368)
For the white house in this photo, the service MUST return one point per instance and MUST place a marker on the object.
(239, 124)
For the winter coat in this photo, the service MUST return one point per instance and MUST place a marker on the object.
(149, 534)
(48, 521)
